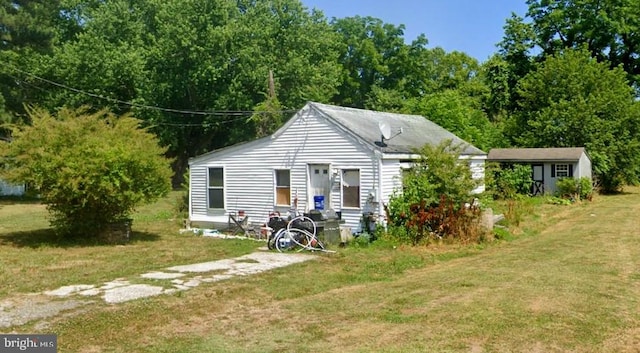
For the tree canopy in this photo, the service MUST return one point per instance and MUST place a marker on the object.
(205, 74)
(572, 100)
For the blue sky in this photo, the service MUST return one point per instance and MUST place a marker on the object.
(470, 26)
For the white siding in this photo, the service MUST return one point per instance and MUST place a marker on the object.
(249, 183)
(391, 179)
(584, 167)
(476, 164)
(7, 189)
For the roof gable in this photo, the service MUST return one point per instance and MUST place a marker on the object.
(536, 154)
(408, 132)
(229, 150)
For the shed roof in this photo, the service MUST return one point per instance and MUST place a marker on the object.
(536, 154)
(408, 132)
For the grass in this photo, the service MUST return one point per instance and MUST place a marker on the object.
(567, 281)
(32, 259)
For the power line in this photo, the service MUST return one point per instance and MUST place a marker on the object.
(242, 113)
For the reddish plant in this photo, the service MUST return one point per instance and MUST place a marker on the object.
(443, 221)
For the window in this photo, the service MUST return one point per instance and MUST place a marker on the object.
(561, 171)
(215, 188)
(283, 187)
(351, 188)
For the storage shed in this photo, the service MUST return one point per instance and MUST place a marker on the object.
(547, 164)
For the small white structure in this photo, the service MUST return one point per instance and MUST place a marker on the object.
(547, 164)
(7, 189)
(351, 159)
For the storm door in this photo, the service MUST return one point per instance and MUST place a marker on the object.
(319, 185)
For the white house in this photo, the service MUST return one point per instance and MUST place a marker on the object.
(547, 164)
(324, 151)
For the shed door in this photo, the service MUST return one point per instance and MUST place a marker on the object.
(538, 179)
(319, 184)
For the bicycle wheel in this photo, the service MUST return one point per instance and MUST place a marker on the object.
(301, 238)
(284, 241)
(302, 223)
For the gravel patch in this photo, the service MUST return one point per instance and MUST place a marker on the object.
(22, 309)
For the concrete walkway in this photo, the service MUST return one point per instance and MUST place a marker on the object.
(22, 309)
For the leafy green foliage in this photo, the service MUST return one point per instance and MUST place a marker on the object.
(268, 116)
(27, 24)
(438, 177)
(458, 113)
(572, 100)
(369, 48)
(607, 29)
(509, 181)
(90, 169)
(575, 189)
(26, 33)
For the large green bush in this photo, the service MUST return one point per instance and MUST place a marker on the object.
(438, 177)
(508, 181)
(90, 169)
(575, 189)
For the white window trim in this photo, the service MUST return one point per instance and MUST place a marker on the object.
(565, 171)
(275, 187)
(342, 189)
(224, 189)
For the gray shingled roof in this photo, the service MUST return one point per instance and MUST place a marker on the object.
(535, 154)
(416, 130)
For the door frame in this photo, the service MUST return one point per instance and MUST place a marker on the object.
(537, 187)
(326, 192)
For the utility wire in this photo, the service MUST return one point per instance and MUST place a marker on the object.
(242, 113)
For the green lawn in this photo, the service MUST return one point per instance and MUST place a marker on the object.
(568, 281)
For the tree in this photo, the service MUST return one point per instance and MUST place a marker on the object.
(90, 169)
(205, 61)
(496, 74)
(503, 71)
(609, 29)
(369, 49)
(268, 114)
(458, 113)
(27, 24)
(572, 100)
(26, 33)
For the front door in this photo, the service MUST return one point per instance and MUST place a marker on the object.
(319, 184)
(538, 179)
